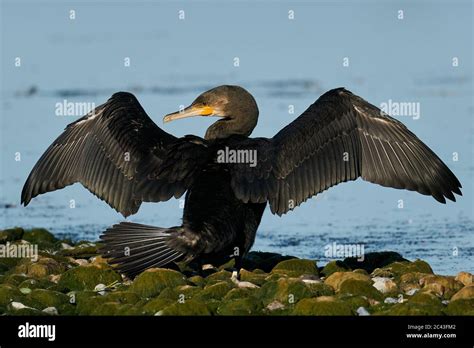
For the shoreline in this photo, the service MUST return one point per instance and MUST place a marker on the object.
(71, 279)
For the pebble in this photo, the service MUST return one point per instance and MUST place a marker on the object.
(51, 310)
(361, 311)
(100, 288)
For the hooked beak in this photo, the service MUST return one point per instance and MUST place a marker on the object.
(190, 111)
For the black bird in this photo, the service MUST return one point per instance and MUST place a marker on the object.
(122, 157)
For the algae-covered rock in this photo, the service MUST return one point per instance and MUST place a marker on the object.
(464, 277)
(123, 297)
(238, 293)
(263, 260)
(9, 294)
(11, 234)
(154, 280)
(418, 304)
(44, 267)
(241, 306)
(319, 289)
(191, 307)
(466, 293)
(443, 286)
(36, 284)
(41, 237)
(360, 287)
(48, 298)
(86, 278)
(15, 279)
(197, 280)
(285, 290)
(81, 251)
(373, 260)
(397, 269)
(321, 306)
(385, 285)
(253, 277)
(336, 279)
(354, 301)
(155, 305)
(215, 291)
(296, 268)
(460, 307)
(218, 277)
(411, 281)
(334, 266)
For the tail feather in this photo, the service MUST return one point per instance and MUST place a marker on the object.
(134, 248)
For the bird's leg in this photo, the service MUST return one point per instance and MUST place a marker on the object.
(235, 277)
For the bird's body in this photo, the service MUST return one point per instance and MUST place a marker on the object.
(121, 156)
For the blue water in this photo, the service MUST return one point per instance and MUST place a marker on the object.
(282, 62)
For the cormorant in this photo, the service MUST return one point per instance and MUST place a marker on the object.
(121, 156)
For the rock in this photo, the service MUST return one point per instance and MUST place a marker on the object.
(8, 263)
(191, 307)
(218, 277)
(124, 297)
(43, 267)
(11, 234)
(373, 260)
(41, 237)
(360, 287)
(385, 285)
(81, 251)
(155, 305)
(100, 289)
(241, 306)
(337, 278)
(154, 280)
(48, 298)
(397, 269)
(354, 301)
(275, 306)
(252, 277)
(263, 260)
(295, 268)
(15, 279)
(215, 291)
(36, 284)
(460, 307)
(197, 280)
(464, 277)
(362, 312)
(51, 311)
(287, 291)
(465, 293)
(316, 306)
(319, 289)
(411, 281)
(334, 266)
(418, 304)
(443, 286)
(238, 293)
(9, 294)
(86, 278)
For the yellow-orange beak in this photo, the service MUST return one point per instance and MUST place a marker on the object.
(190, 111)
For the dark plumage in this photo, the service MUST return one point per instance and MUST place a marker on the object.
(121, 156)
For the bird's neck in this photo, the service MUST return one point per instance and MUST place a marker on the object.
(226, 128)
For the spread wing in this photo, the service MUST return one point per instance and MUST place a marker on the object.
(339, 138)
(119, 154)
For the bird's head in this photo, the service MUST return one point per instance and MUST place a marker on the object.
(236, 108)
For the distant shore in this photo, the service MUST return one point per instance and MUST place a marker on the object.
(42, 275)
